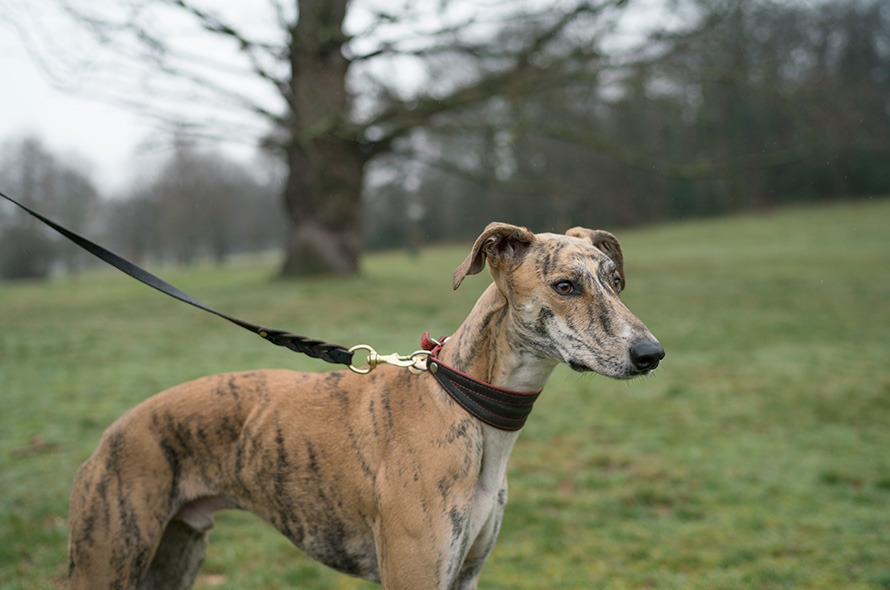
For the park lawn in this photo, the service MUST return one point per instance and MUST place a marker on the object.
(757, 455)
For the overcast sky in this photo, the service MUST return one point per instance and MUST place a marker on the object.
(103, 136)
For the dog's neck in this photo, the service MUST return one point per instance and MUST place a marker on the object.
(482, 348)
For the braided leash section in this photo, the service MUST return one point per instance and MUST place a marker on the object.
(332, 353)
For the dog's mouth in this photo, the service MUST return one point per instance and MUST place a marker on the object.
(579, 367)
(626, 373)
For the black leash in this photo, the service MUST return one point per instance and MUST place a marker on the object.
(332, 353)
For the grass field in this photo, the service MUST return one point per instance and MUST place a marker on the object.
(757, 456)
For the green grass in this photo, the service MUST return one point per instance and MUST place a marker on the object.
(757, 456)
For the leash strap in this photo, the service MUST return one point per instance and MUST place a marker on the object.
(502, 408)
(331, 353)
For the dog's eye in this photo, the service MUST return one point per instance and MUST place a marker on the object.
(564, 287)
(616, 283)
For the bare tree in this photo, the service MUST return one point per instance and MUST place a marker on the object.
(332, 84)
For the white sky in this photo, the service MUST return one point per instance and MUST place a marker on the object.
(103, 136)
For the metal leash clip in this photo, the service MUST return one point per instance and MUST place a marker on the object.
(415, 362)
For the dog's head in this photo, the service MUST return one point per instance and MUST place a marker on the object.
(563, 293)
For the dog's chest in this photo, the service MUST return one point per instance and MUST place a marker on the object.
(343, 542)
(491, 488)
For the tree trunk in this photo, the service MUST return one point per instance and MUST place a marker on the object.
(322, 200)
(325, 163)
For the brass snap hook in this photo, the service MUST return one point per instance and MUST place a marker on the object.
(412, 361)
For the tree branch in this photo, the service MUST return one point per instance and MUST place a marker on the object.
(532, 68)
(247, 47)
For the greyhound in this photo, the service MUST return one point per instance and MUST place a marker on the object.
(384, 476)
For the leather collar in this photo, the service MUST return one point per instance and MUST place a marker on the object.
(501, 408)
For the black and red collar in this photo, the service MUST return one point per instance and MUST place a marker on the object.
(504, 409)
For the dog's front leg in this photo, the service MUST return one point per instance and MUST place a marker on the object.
(417, 550)
(423, 527)
(468, 579)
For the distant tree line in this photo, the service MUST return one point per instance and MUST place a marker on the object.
(769, 103)
(58, 189)
(197, 206)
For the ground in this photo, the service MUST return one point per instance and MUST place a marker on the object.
(754, 457)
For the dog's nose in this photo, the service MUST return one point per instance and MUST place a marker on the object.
(645, 354)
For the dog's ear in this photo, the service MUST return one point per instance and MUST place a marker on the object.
(604, 242)
(499, 243)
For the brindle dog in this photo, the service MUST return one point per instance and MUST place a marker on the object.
(381, 476)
